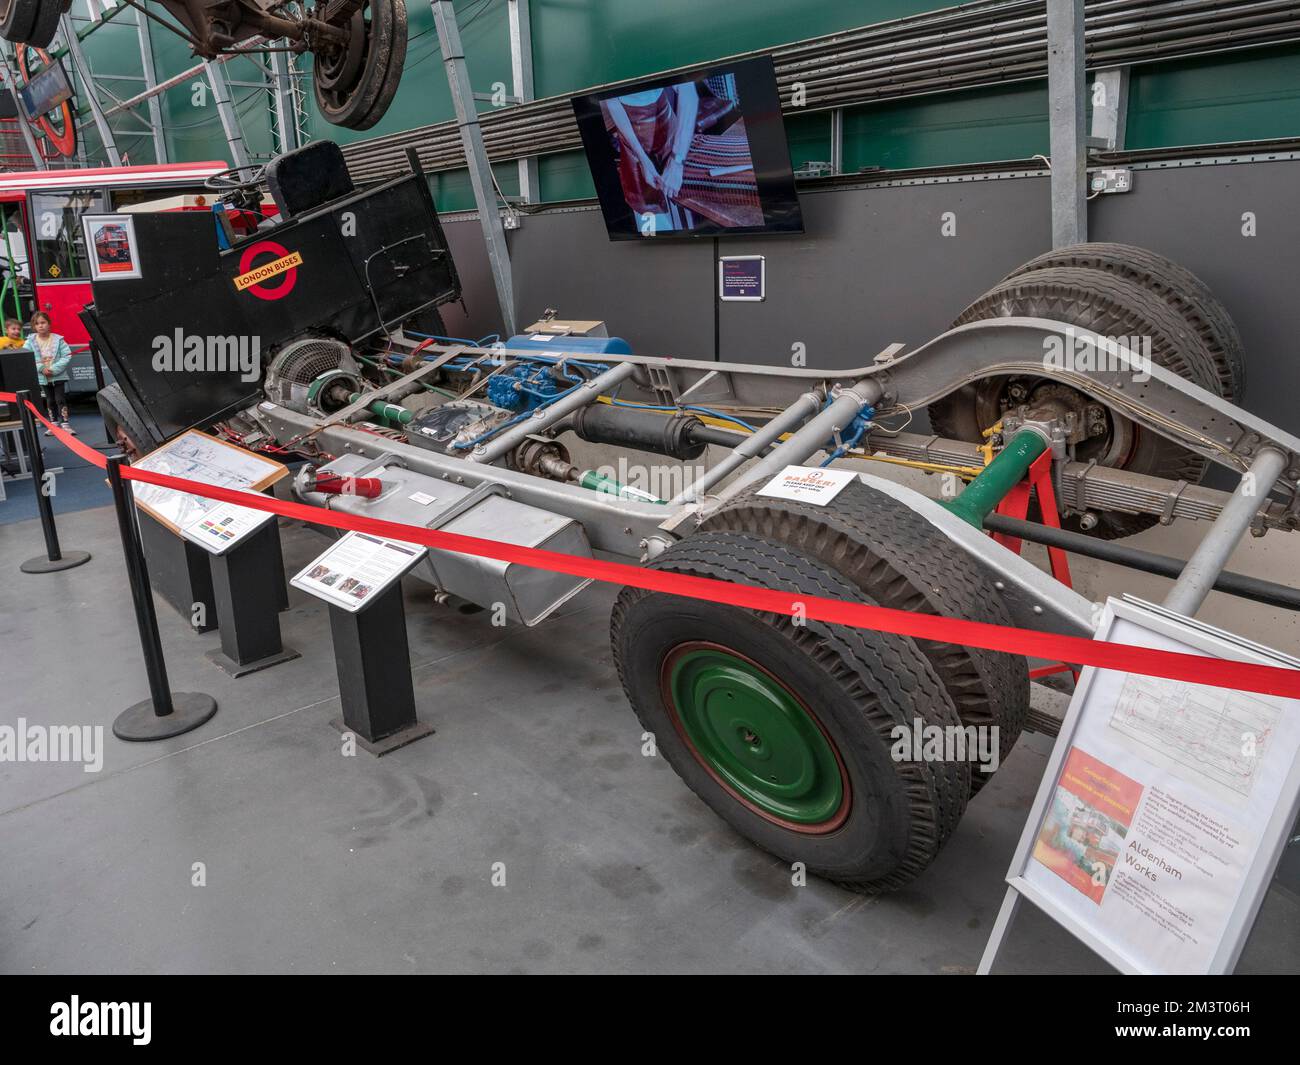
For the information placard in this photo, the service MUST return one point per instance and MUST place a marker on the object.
(742, 278)
(356, 569)
(807, 484)
(197, 456)
(1165, 805)
(224, 526)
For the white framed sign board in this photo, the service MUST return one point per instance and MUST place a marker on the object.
(111, 246)
(356, 569)
(1164, 808)
(196, 456)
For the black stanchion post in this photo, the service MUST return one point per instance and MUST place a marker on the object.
(165, 713)
(54, 559)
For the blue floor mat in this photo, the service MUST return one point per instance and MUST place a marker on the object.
(79, 487)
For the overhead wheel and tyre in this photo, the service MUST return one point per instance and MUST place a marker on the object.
(18, 19)
(1111, 305)
(31, 22)
(900, 560)
(354, 83)
(1179, 287)
(130, 434)
(784, 729)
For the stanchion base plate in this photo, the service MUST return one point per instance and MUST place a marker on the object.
(415, 731)
(140, 723)
(44, 565)
(219, 657)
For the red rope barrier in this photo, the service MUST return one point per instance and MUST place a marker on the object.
(1079, 650)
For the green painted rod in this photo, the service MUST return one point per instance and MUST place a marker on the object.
(980, 498)
(598, 482)
(388, 413)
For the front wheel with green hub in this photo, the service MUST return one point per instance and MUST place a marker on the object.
(786, 730)
(755, 737)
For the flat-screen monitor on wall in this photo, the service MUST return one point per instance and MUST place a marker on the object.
(698, 156)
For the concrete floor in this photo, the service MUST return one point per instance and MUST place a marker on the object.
(317, 862)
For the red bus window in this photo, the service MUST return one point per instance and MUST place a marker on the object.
(57, 235)
(16, 289)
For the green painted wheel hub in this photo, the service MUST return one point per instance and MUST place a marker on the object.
(756, 737)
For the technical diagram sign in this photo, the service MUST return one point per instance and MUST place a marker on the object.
(195, 456)
(1165, 806)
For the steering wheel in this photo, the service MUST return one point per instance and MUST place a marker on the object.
(236, 179)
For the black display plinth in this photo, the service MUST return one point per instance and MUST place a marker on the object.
(281, 580)
(179, 571)
(374, 667)
(248, 585)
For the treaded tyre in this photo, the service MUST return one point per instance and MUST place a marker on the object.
(32, 22)
(47, 23)
(18, 19)
(1112, 306)
(124, 425)
(355, 85)
(900, 560)
(783, 728)
(1176, 285)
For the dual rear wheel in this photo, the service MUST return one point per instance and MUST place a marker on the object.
(1118, 291)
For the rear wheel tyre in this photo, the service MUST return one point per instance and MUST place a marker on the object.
(354, 85)
(47, 23)
(124, 425)
(1176, 285)
(784, 730)
(901, 561)
(18, 19)
(1111, 306)
(31, 22)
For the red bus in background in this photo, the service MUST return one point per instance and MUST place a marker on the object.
(43, 256)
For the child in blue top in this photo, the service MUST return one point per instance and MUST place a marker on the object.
(52, 358)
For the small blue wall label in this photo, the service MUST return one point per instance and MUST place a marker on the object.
(742, 278)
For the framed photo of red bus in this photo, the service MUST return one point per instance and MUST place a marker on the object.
(702, 154)
(111, 246)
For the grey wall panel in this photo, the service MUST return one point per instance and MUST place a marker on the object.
(875, 267)
(479, 314)
(657, 295)
(1194, 216)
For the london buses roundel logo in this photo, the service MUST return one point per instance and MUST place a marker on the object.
(283, 265)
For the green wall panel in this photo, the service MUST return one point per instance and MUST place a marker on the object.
(1007, 122)
(582, 44)
(565, 176)
(452, 190)
(809, 137)
(1248, 96)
